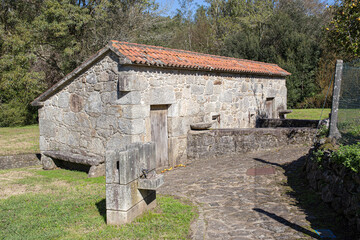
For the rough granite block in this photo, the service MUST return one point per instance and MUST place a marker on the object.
(116, 217)
(97, 170)
(131, 127)
(162, 95)
(112, 173)
(147, 156)
(129, 82)
(47, 162)
(124, 197)
(152, 183)
(129, 169)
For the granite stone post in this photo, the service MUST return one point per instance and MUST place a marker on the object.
(131, 182)
(334, 132)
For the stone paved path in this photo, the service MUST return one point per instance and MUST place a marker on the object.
(233, 205)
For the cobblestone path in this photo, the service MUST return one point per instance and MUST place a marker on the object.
(235, 205)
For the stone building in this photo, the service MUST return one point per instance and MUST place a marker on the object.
(137, 93)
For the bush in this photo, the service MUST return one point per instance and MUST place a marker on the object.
(318, 156)
(349, 156)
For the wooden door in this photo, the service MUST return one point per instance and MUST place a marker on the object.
(270, 107)
(159, 133)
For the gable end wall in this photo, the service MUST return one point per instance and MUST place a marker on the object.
(82, 117)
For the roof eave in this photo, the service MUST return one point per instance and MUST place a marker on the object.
(128, 62)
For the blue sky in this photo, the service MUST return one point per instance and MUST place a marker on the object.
(170, 6)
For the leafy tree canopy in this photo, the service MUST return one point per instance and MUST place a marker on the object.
(343, 31)
(43, 40)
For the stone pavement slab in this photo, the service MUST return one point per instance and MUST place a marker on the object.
(235, 205)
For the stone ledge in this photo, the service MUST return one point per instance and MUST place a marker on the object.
(220, 142)
(200, 126)
(74, 158)
(19, 161)
(151, 183)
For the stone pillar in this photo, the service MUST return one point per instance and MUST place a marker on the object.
(334, 132)
(131, 182)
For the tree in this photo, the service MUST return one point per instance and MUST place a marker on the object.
(343, 32)
(43, 40)
(290, 37)
(20, 82)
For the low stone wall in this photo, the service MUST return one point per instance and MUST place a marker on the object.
(338, 186)
(295, 123)
(19, 161)
(234, 141)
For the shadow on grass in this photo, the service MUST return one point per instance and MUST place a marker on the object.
(101, 206)
(319, 214)
(348, 138)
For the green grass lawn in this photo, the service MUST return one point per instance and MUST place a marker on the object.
(64, 204)
(349, 125)
(17, 140)
(313, 113)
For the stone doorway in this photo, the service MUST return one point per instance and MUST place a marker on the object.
(269, 107)
(159, 133)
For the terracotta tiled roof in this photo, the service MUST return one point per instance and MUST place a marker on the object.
(167, 57)
(139, 54)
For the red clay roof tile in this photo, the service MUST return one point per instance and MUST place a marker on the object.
(167, 57)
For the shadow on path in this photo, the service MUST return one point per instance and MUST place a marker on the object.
(267, 162)
(319, 214)
(287, 223)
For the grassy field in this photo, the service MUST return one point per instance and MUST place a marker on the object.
(63, 204)
(349, 125)
(16, 140)
(313, 113)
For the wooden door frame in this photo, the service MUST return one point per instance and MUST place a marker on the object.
(272, 101)
(159, 107)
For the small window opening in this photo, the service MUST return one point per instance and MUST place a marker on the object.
(216, 117)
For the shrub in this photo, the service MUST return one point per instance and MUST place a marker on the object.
(323, 131)
(318, 156)
(349, 156)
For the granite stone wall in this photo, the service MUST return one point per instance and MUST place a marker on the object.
(108, 106)
(222, 142)
(194, 97)
(338, 186)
